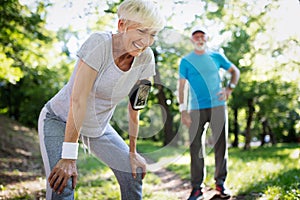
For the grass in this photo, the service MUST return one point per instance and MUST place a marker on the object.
(270, 172)
(260, 173)
(95, 180)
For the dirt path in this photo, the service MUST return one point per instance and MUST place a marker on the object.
(172, 183)
(180, 189)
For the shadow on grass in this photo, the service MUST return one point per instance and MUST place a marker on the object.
(16, 178)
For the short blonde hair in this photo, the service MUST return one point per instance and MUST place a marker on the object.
(142, 11)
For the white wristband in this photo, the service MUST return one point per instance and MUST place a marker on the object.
(182, 107)
(69, 150)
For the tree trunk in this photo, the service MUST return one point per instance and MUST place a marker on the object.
(293, 117)
(267, 131)
(264, 132)
(236, 128)
(249, 122)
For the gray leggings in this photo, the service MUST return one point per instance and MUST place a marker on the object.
(109, 147)
(217, 119)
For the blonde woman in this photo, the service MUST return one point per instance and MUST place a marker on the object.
(108, 67)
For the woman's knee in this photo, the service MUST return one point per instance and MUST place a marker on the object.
(67, 193)
(132, 188)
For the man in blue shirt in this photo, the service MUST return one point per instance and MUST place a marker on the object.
(207, 103)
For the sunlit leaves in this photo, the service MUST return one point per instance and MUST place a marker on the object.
(22, 38)
(7, 71)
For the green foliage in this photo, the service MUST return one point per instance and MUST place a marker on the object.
(113, 6)
(19, 28)
(27, 76)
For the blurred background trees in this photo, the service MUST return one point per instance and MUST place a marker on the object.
(31, 69)
(36, 61)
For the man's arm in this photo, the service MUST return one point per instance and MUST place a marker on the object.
(181, 84)
(235, 74)
(182, 100)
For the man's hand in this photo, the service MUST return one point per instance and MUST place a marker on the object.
(59, 176)
(137, 161)
(186, 118)
(224, 94)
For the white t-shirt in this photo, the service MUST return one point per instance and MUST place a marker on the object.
(110, 87)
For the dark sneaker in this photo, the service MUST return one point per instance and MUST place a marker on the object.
(223, 192)
(196, 194)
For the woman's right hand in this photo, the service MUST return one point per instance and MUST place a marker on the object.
(60, 174)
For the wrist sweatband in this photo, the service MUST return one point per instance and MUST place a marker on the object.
(69, 150)
(182, 107)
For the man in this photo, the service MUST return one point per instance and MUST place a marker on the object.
(207, 103)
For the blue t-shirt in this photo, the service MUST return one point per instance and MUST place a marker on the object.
(202, 73)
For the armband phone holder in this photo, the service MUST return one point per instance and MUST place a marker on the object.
(139, 94)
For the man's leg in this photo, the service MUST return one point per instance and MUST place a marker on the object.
(199, 118)
(220, 134)
(111, 149)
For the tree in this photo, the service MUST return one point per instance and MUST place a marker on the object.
(26, 59)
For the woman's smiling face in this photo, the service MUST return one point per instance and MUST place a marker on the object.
(136, 37)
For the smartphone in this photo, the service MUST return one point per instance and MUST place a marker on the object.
(139, 95)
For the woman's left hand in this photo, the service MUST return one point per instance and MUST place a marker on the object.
(137, 161)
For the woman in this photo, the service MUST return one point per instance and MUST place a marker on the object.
(108, 66)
